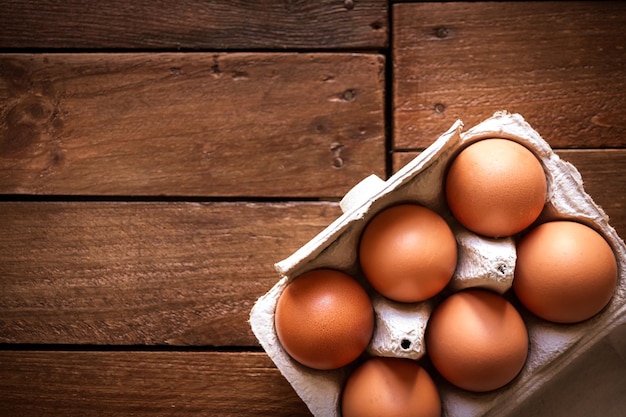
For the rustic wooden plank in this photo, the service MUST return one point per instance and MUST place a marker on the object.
(603, 172)
(561, 65)
(193, 24)
(190, 124)
(143, 273)
(79, 383)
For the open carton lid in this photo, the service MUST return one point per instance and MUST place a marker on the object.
(483, 262)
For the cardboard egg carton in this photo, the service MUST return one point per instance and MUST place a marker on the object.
(482, 262)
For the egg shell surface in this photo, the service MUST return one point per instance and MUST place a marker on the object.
(408, 253)
(566, 272)
(496, 187)
(477, 340)
(324, 319)
(390, 387)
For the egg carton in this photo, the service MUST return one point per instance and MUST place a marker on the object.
(482, 262)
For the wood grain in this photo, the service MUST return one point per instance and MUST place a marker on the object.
(561, 65)
(190, 124)
(603, 173)
(196, 24)
(49, 383)
(143, 273)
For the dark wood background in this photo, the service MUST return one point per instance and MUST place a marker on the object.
(157, 157)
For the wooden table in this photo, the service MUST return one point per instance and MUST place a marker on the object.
(157, 157)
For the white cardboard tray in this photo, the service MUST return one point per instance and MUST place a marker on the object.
(482, 262)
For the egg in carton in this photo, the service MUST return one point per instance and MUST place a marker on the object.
(482, 262)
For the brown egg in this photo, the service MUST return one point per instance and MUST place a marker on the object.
(566, 272)
(324, 319)
(477, 340)
(390, 387)
(408, 253)
(496, 187)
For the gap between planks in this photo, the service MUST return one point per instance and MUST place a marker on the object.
(143, 384)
